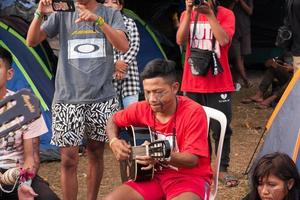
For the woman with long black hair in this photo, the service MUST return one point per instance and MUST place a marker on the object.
(275, 177)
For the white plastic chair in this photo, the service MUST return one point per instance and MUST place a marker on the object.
(212, 113)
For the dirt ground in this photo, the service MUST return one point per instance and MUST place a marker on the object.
(248, 124)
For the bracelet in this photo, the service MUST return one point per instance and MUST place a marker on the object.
(25, 175)
(38, 15)
(112, 141)
(99, 21)
(28, 183)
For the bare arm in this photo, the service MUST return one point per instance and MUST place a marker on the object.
(247, 8)
(116, 37)
(183, 30)
(31, 154)
(183, 159)
(119, 147)
(219, 33)
(35, 34)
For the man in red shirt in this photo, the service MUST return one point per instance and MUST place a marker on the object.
(216, 23)
(181, 121)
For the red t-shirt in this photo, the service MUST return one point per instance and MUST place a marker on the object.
(203, 34)
(191, 130)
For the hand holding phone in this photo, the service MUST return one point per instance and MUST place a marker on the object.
(63, 5)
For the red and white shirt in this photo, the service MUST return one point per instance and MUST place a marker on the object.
(203, 40)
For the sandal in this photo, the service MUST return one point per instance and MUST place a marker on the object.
(250, 100)
(229, 180)
(262, 106)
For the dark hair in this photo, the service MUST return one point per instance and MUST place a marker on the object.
(160, 68)
(120, 2)
(279, 165)
(6, 55)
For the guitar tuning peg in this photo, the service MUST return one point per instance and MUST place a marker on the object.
(24, 127)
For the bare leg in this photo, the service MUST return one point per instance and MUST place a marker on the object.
(95, 168)
(239, 61)
(124, 192)
(267, 102)
(258, 97)
(69, 162)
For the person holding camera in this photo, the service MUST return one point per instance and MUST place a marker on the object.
(214, 29)
(84, 95)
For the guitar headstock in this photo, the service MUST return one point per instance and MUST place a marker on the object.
(159, 150)
(17, 110)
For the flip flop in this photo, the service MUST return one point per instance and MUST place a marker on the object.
(250, 100)
(262, 106)
(228, 180)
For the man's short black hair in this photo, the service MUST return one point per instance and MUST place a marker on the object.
(6, 55)
(160, 68)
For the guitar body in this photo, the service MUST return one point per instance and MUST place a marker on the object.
(130, 169)
(17, 110)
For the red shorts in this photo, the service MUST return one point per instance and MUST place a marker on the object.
(171, 185)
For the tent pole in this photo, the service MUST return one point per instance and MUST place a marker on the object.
(261, 137)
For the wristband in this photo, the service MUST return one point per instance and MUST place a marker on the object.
(99, 21)
(112, 141)
(28, 183)
(38, 15)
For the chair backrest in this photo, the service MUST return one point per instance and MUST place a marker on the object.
(219, 116)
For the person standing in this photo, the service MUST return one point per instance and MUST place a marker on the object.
(241, 42)
(210, 90)
(126, 76)
(84, 95)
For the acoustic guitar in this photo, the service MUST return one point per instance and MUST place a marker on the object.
(18, 110)
(158, 150)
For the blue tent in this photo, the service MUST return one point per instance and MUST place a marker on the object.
(150, 47)
(283, 128)
(30, 72)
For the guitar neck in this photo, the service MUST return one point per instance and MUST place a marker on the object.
(139, 151)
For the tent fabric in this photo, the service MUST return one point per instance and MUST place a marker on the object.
(283, 127)
(29, 73)
(150, 47)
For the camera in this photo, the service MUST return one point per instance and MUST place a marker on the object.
(63, 5)
(198, 2)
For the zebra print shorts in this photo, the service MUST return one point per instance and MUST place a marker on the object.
(72, 122)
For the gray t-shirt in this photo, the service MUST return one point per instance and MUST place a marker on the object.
(85, 64)
(242, 19)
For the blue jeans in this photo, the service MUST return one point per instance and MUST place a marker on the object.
(129, 100)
